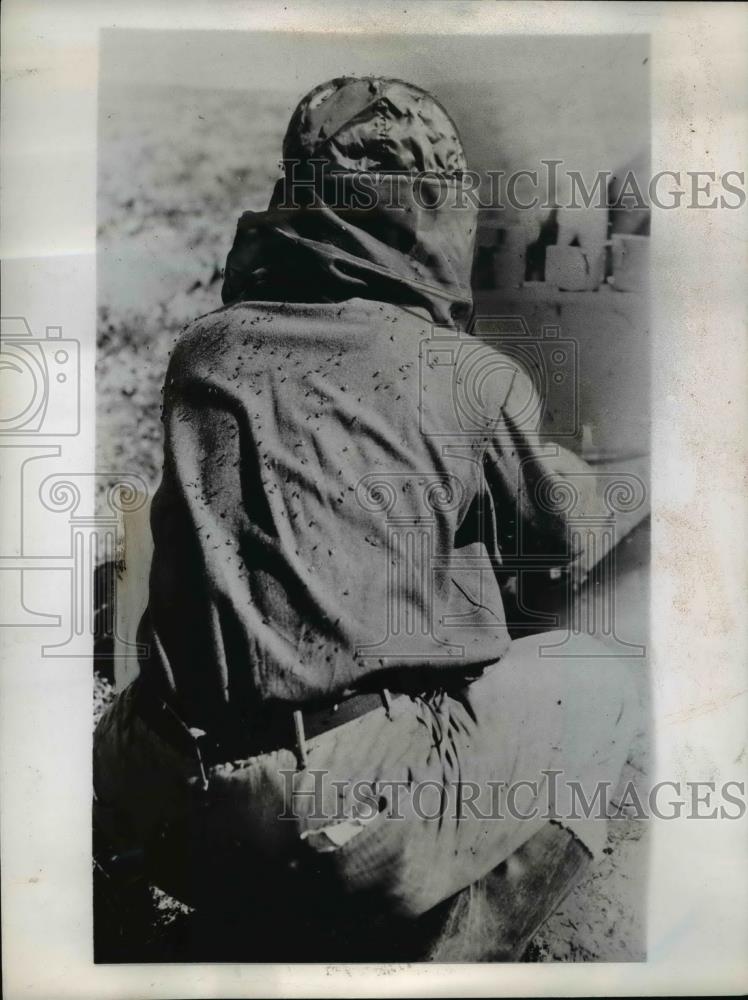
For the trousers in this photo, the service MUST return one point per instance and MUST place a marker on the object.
(404, 806)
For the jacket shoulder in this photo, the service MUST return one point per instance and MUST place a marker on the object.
(203, 338)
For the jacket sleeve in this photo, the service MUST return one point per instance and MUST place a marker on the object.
(544, 498)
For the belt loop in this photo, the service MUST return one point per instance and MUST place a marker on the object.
(387, 702)
(298, 721)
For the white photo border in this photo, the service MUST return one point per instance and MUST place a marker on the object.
(698, 891)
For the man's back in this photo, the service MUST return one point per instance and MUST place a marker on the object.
(328, 526)
(311, 528)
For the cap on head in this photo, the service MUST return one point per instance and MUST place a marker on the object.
(374, 125)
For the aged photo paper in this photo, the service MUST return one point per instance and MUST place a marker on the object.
(373, 407)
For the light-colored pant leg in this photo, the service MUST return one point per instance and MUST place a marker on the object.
(524, 717)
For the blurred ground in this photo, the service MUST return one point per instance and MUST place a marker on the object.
(176, 169)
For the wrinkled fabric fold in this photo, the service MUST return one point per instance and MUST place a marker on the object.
(411, 246)
(374, 124)
(370, 206)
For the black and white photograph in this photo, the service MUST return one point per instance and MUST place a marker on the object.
(366, 596)
(385, 594)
